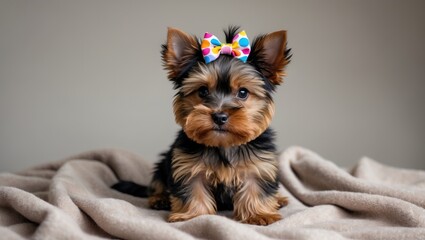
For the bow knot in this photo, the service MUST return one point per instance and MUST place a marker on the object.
(212, 47)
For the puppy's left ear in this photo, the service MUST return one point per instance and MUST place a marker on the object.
(271, 56)
(179, 52)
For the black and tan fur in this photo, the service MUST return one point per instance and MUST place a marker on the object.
(224, 156)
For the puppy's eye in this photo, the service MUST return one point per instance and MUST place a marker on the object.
(203, 92)
(243, 93)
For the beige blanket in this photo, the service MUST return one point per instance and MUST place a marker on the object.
(71, 199)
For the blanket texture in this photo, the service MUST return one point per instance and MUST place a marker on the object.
(72, 199)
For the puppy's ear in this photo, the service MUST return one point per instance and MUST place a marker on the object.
(179, 52)
(270, 55)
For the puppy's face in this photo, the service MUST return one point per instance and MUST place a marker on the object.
(223, 103)
(226, 102)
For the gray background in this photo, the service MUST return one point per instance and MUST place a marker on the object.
(83, 75)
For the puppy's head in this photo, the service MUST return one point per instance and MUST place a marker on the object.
(225, 102)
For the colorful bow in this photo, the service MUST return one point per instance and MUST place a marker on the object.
(212, 47)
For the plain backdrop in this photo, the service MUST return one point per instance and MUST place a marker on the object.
(87, 74)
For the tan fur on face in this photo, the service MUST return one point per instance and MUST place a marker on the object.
(247, 118)
(203, 77)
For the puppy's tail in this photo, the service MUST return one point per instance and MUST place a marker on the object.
(131, 188)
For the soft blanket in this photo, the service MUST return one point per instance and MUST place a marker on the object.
(72, 199)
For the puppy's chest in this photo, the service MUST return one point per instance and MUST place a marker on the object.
(229, 167)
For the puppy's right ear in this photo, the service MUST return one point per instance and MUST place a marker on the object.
(179, 53)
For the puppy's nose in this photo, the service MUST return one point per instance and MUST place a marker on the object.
(220, 118)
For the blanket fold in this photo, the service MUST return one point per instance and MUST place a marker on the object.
(72, 199)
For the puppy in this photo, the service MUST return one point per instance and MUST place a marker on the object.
(224, 157)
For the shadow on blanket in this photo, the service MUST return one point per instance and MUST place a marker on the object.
(72, 199)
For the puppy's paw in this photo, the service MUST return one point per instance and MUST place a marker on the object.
(160, 202)
(178, 217)
(282, 201)
(263, 219)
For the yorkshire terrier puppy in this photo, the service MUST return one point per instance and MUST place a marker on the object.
(224, 157)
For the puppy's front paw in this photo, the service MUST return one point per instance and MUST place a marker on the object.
(282, 201)
(262, 219)
(178, 217)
